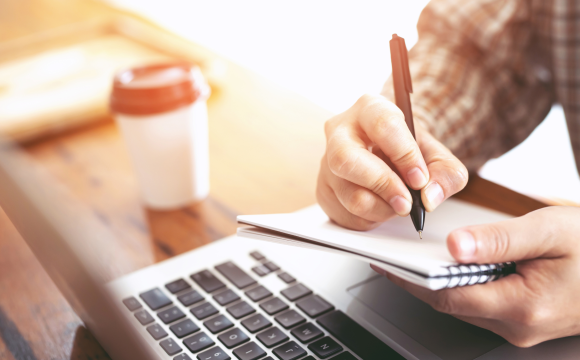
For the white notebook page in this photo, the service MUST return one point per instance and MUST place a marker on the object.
(395, 242)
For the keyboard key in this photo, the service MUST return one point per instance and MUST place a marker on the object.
(184, 328)
(176, 286)
(218, 323)
(240, 310)
(261, 270)
(207, 281)
(309, 358)
(226, 297)
(270, 358)
(344, 356)
(156, 331)
(170, 315)
(271, 266)
(198, 342)
(236, 275)
(155, 299)
(170, 346)
(203, 311)
(287, 278)
(131, 303)
(273, 306)
(257, 255)
(296, 292)
(289, 319)
(190, 298)
(258, 293)
(289, 351)
(307, 332)
(250, 351)
(256, 323)
(215, 353)
(233, 338)
(314, 306)
(355, 337)
(272, 337)
(325, 347)
(144, 317)
(182, 356)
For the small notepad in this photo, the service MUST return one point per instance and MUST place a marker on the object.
(395, 245)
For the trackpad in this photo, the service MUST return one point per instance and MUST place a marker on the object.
(443, 335)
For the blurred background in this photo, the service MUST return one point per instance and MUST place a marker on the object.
(330, 52)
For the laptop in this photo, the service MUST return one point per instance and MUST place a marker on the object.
(235, 298)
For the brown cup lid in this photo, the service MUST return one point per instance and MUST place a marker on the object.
(157, 89)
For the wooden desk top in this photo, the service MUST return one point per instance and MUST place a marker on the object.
(265, 146)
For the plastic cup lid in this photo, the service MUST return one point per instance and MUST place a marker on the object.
(155, 89)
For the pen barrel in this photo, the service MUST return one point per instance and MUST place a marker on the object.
(400, 87)
(417, 210)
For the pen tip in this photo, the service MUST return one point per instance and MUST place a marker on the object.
(420, 234)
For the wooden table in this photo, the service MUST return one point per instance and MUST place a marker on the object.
(265, 146)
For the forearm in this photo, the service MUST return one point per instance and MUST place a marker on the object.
(472, 89)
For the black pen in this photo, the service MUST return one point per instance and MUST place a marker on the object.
(403, 87)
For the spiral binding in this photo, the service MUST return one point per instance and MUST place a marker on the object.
(471, 274)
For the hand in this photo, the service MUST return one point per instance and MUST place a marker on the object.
(371, 155)
(540, 301)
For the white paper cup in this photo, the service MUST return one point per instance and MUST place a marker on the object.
(161, 111)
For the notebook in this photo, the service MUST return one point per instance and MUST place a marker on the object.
(394, 246)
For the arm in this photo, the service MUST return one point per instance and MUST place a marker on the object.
(475, 79)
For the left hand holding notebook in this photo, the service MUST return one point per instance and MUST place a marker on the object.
(370, 158)
(540, 301)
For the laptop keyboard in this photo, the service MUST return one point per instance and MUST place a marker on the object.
(249, 320)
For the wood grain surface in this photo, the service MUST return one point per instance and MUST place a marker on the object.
(265, 146)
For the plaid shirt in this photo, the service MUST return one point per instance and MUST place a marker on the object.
(486, 72)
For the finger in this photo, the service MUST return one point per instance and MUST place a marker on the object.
(336, 212)
(384, 124)
(349, 158)
(542, 233)
(447, 174)
(358, 200)
(494, 300)
(362, 202)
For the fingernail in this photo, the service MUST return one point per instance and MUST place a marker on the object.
(466, 244)
(434, 194)
(401, 205)
(416, 178)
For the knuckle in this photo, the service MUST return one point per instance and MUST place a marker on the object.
(365, 100)
(329, 126)
(443, 304)
(323, 193)
(407, 155)
(383, 123)
(522, 341)
(534, 315)
(500, 241)
(459, 175)
(341, 161)
(360, 203)
(454, 176)
(381, 185)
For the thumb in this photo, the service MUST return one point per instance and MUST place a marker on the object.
(527, 237)
(447, 174)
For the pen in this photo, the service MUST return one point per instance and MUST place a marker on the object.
(403, 87)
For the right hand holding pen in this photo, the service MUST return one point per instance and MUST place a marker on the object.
(371, 155)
